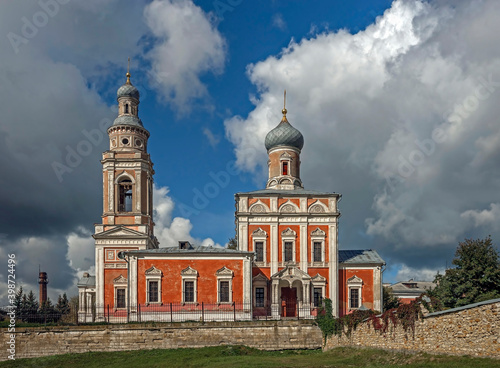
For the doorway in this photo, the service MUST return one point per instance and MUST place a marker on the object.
(288, 302)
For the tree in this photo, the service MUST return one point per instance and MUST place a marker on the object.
(390, 301)
(31, 303)
(475, 277)
(232, 244)
(62, 305)
(18, 300)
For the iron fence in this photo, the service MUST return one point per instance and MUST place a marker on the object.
(172, 312)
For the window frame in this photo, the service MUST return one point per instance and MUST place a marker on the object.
(189, 275)
(354, 283)
(257, 305)
(260, 235)
(224, 275)
(318, 236)
(153, 275)
(288, 236)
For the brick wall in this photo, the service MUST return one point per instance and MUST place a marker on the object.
(267, 335)
(470, 330)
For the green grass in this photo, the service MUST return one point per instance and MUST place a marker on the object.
(241, 356)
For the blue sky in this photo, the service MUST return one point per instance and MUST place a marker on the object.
(396, 101)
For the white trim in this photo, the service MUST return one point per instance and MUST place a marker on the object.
(120, 283)
(153, 274)
(190, 274)
(225, 274)
(260, 281)
(260, 235)
(354, 283)
(318, 236)
(288, 235)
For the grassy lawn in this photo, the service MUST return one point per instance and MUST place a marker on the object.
(241, 356)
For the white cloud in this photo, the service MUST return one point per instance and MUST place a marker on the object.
(279, 21)
(188, 45)
(168, 230)
(487, 217)
(406, 273)
(399, 118)
(213, 139)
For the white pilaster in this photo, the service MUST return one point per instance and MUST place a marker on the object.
(274, 249)
(333, 269)
(303, 248)
(247, 281)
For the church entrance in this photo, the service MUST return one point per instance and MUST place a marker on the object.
(288, 302)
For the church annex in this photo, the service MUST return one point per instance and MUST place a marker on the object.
(286, 262)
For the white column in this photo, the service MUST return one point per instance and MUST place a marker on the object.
(274, 249)
(244, 235)
(99, 280)
(303, 248)
(333, 269)
(377, 289)
(133, 281)
(247, 281)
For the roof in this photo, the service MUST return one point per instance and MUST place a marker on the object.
(127, 90)
(86, 282)
(128, 120)
(193, 249)
(284, 135)
(292, 192)
(360, 256)
(412, 287)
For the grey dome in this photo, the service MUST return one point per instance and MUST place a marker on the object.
(127, 90)
(284, 135)
(128, 120)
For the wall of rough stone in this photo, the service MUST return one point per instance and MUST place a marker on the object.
(267, 335)
(471, 330)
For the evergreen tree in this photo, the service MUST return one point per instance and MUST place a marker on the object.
(475, 277)
(31, 303)
(232, 244)
(18, 300)
(390, 301)
(62, 305)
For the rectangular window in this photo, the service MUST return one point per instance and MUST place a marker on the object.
(120, 298)
(259, 297)
(153, 291)
(188, 291)
(354, 298)
(317, 252)
(285, 168)
(259, 251)
(224, 291)
(318, 297)
(288, 251)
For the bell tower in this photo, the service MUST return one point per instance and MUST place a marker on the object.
(127, 217)
(283, 145)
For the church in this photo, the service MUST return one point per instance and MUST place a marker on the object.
(286, 261)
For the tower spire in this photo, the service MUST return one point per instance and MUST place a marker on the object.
(284, 107)
(128, 72)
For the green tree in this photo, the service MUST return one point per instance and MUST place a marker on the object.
(31, 303)
(18, 300)
(390, 301)
(62, 305)
(232, 244)
(475, 277)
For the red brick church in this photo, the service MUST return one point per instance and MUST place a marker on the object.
(287, 258)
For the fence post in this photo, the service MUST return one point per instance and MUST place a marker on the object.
(139, 313)
(234, 311)
(171, 313)
(108, 313)
(202, 312)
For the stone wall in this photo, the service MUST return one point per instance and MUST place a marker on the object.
(268, 335)
(471, 330)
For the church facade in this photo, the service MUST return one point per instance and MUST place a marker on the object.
(287, 258)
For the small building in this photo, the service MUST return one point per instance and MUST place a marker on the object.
(407, 291)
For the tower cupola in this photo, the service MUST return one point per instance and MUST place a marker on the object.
(284, 144)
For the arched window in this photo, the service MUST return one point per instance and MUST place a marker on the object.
(285, 168)
(125, 197)
(126, 108)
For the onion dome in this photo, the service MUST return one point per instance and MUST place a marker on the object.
(284, 135)
(127, 90)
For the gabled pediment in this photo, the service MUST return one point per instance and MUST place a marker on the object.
(288, 232)
(318, 207)
(120, 280)
(260, 277)
(318, 232)
(291, 273)
(153, 271)
(120, 232)
(224, 271)
(188, 271)
(259, 233)
(318, 278)
(354, 280)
